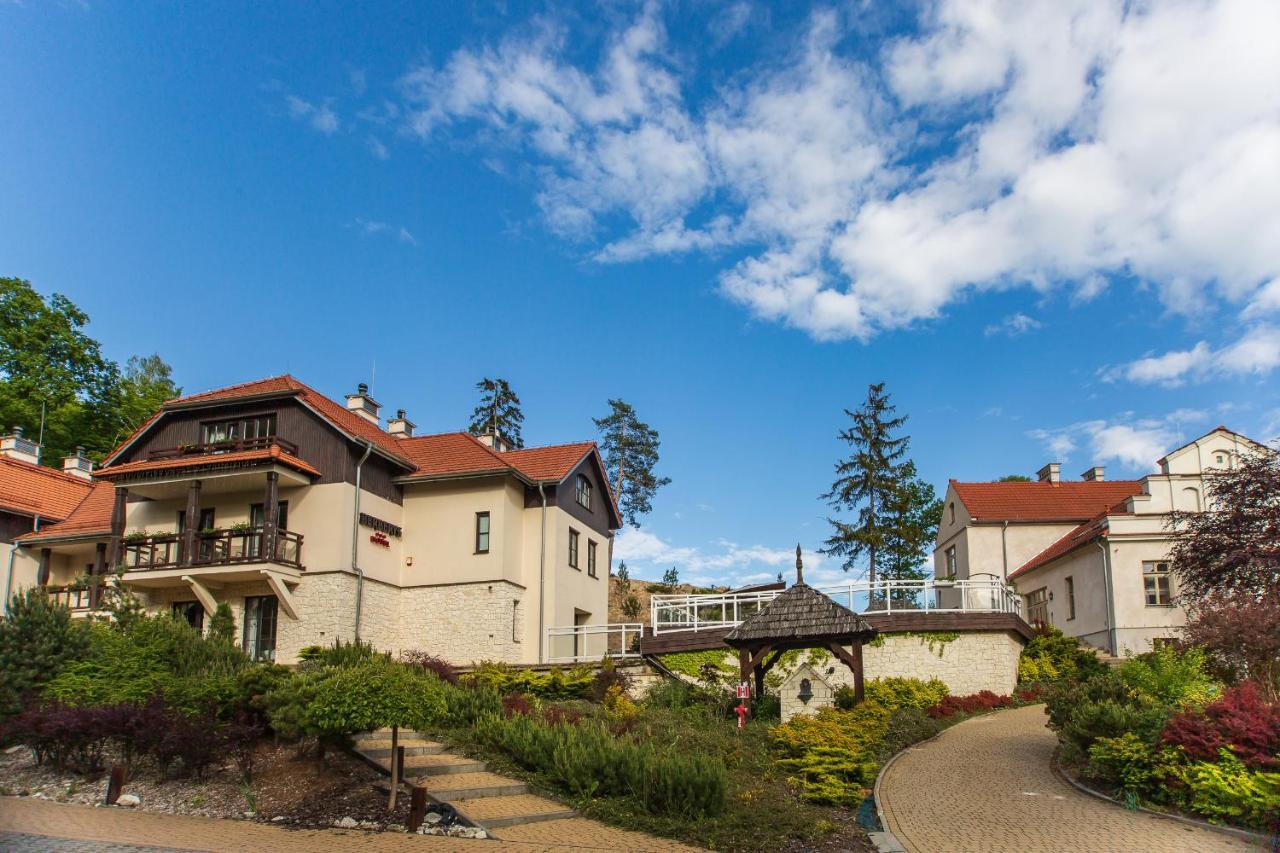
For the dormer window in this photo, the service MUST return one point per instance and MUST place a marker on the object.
(259, 426)
(584, 492)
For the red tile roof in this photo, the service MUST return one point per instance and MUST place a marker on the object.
(553, 462)
(1063, 501)
(91, 516)
(266, 454)
(1076, 538)
(39, 490)
(450, 454)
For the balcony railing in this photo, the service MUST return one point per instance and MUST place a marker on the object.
(229, 446)
(723, 610)
(582, 643)
(213, 548)
(72, 596)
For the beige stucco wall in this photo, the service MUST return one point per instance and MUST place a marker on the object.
(981, 548)
(440, 535)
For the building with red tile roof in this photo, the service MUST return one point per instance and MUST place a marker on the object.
(453, 543)
(1088, 556)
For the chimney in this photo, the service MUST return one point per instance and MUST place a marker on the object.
(494, 440)
(400, 426)
(78, 465)
(1096, 474)
(364, 405)
(1051, 473)
(16, 447)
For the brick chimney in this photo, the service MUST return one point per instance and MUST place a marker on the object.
(78, 465)
(1051, 473)
(400, 426)
(364, 405)
(1096, 474)
(15, 446)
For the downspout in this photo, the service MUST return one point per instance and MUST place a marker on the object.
(1111, 604)
(8, 580)
(1004, 550)
(355, 540)
(542, 577)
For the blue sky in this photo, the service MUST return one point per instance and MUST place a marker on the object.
(1051, 228)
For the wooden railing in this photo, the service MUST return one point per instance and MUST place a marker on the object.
(213, 548)
(72, 596)
(230, 446)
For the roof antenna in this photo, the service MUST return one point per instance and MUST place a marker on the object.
(799, 567)
(373, 376)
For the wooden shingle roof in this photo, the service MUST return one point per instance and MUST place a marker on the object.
(801, 614)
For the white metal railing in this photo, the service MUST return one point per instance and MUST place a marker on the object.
(584, 643)
(723, 610)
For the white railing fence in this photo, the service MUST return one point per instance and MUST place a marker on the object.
(586, 643)
(721, 610)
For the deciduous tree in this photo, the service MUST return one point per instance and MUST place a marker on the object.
(630, 450)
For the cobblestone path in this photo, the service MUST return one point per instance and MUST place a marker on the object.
(987, 785)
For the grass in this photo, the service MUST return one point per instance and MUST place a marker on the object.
(763, 811)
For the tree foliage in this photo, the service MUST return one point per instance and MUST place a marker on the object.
(895, 514)
(630, 449)
(1014, 478)
(498, 411)
(38, 638)
(51, 370)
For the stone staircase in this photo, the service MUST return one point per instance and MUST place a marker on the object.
(481, 798)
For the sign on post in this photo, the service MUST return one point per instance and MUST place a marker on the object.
(744, 690)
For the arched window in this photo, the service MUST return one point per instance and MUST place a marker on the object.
(951, 510)
(1191, 499)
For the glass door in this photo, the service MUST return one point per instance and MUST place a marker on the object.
(260, 613)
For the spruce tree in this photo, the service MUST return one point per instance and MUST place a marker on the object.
(37, 639)
(867, 482)
(498, 412)
(630, 450)
(915, 511)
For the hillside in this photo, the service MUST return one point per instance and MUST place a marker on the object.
(643, 590)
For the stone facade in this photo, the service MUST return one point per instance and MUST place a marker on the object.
(822, 694)
(974, 661)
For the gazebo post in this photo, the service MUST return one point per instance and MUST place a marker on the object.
(853, 660)
(744, 664)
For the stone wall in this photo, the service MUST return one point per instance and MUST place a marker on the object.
(465, 623)
(974, 661)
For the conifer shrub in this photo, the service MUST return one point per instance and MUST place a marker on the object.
(894, 692)
(1052, 655)
(38, 638)
(556, 684)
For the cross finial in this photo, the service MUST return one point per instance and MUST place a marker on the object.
(799, 565)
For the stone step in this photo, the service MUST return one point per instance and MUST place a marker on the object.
(384, 741)
(404, 733)
(414, 748)
(497, 812)
(471, 786)
(432, 765)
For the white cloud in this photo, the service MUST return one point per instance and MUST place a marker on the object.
(371, 227)
(1256, 352)
(1134, 443)
(1083, 139)
(376, 148)
(405, 237)
(721, 562)
(1013, 325)
(320, 117)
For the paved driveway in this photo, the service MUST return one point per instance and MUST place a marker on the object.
(987, 785)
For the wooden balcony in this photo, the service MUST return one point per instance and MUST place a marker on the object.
(230, 446)
(76, 598)
(213, 548)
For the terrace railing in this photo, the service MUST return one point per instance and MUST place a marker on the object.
(72, 596)
(584, 643)
(724, 610)
(229, 446)
(214, 548)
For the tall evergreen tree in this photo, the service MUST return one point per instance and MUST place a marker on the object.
(499, 412)
(867, 482)
(916, 512)
(630, 449)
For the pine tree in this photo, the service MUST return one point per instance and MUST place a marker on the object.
(630, 450)
(222, 626)
(916, 511)
(622, 578)
(498, 412)
(867, 481)
(37, 638)
(671, 577)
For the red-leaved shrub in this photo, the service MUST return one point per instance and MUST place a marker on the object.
(430, 663)
(975, 703)
(514, 704)
(557, 716)
(1029, 695)
(1239, 719)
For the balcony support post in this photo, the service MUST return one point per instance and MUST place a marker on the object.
(42, 574)
(270, 516)
(99, 575)
(191, 524)
(115, 555)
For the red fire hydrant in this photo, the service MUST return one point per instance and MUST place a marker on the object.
(743, 713)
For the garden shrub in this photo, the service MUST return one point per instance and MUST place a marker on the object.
(427, 662)
(833, 753)
(590, 762)
(895, 693)
(1227, 791)
(1239, 720)
(1170, 677)
(465, 704)
(38, 638)
(690, 664)
(606, 679)
(1129, 762)
(555, 684)
(618, 707)
(908, 726)
(517, 704)
(975, 703)
(341, 653)
(372, 694)
(1051, 655)
(1101, 706)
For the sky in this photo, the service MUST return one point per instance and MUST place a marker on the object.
(1051, 228)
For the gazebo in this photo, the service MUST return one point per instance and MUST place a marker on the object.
(800, 618)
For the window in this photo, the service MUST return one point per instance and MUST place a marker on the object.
(258, 519)
(1038, 606)
(258, 426)
(206, 519)
(951, 561)
(591, 558)
(260, 627)
(1155, 584)
(951, 511)
(1071, 598)
(584, 492)
(482, 533)
(191, 612)
(573, 547)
